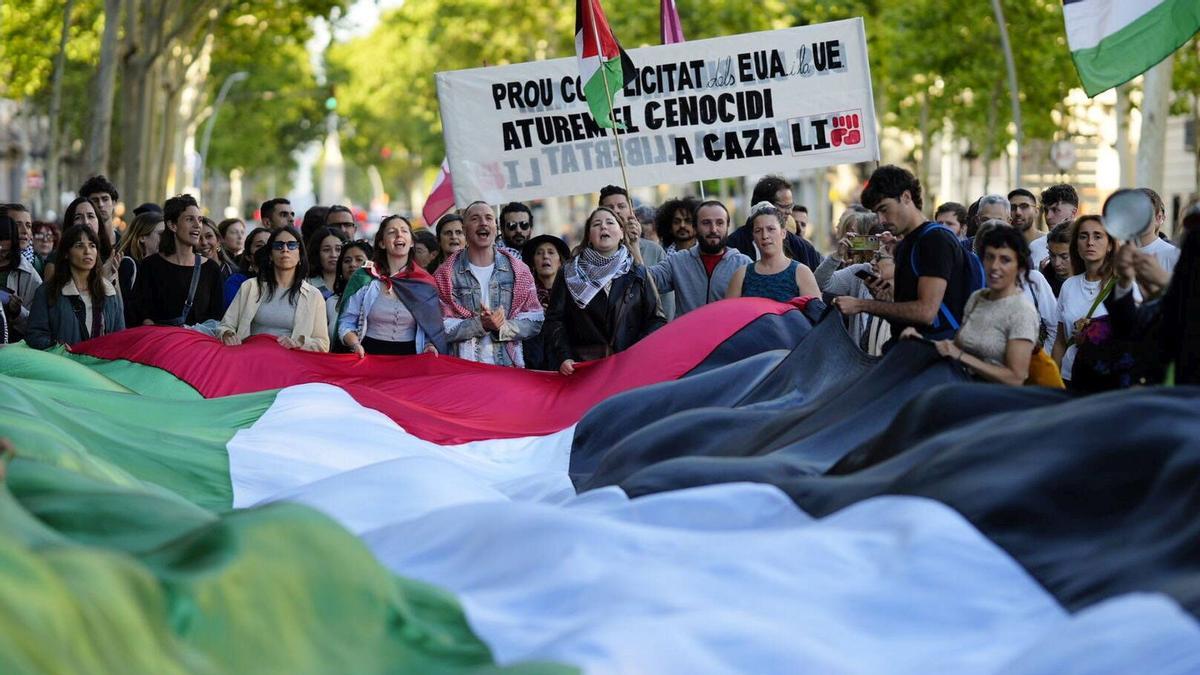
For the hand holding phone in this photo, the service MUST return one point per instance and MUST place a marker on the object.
(867, 276)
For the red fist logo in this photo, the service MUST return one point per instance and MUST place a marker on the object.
(847, 130)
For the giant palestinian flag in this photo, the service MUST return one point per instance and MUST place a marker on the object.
(742, 492)
(1114, 41)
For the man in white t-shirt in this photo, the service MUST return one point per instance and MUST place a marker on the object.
(1166, 253)
(488, 296)
(1024, 217)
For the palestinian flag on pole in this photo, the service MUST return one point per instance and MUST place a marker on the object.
(1114, 41)
(741, 492)
(604, 68)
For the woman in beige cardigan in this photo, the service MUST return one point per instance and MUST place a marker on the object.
(279, 301)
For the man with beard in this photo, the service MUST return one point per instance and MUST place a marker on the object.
(616, 199)
(516, 223)
(674, 224)
(488, 295)
(276, 213)
(700, 274)
(1024, 217)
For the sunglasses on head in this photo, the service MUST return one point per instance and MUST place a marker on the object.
(519, 225)
(290, 245)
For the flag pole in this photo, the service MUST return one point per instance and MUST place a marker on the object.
(668, 13)
(609, 97)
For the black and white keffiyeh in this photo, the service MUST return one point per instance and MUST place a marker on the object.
(590, 272)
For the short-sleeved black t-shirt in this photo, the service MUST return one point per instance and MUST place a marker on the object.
(162, 288)
(938, 254)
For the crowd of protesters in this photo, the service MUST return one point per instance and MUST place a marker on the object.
(988, 286)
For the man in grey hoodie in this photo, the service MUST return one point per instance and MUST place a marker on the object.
(700, 274)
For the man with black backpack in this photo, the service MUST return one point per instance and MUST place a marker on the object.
(935, 274)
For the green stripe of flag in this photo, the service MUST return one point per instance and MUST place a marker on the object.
(1137, 47)
(97, 579)
(611, 74)
(119, 554)
(77, 419)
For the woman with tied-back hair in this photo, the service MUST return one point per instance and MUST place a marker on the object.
(854, 221)
(233, 237)
(178, 286)
(1082, 296)
(603, 302)
(279, 301)
(391, 305)
(774, 275)
(77, 303)
(211, 248)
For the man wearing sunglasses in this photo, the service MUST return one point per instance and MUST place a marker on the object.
(516, 224)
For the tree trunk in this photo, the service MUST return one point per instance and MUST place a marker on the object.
(923, 166)
(1124, 150)
(1152, 146)
(134, 70)
(106, 80)
(52, 188)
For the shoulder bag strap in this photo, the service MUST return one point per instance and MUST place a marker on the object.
(1100, 297)
(187, 306)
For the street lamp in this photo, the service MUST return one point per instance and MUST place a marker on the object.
(230, 80)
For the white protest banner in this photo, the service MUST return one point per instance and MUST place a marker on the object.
(775, 101)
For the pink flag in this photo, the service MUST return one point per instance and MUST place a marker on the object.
(441, 199)
(672, 30)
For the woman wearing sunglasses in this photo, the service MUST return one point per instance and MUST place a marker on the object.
(279, 301)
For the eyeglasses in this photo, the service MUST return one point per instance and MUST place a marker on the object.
(291, 245)
(521, 225)
(43, 236)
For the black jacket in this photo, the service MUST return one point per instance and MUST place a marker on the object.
(617, 320)
(743, 240)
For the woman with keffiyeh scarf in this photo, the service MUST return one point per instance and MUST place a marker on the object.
(603, 302)
(390, 305)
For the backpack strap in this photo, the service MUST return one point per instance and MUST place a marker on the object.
(943, 310)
